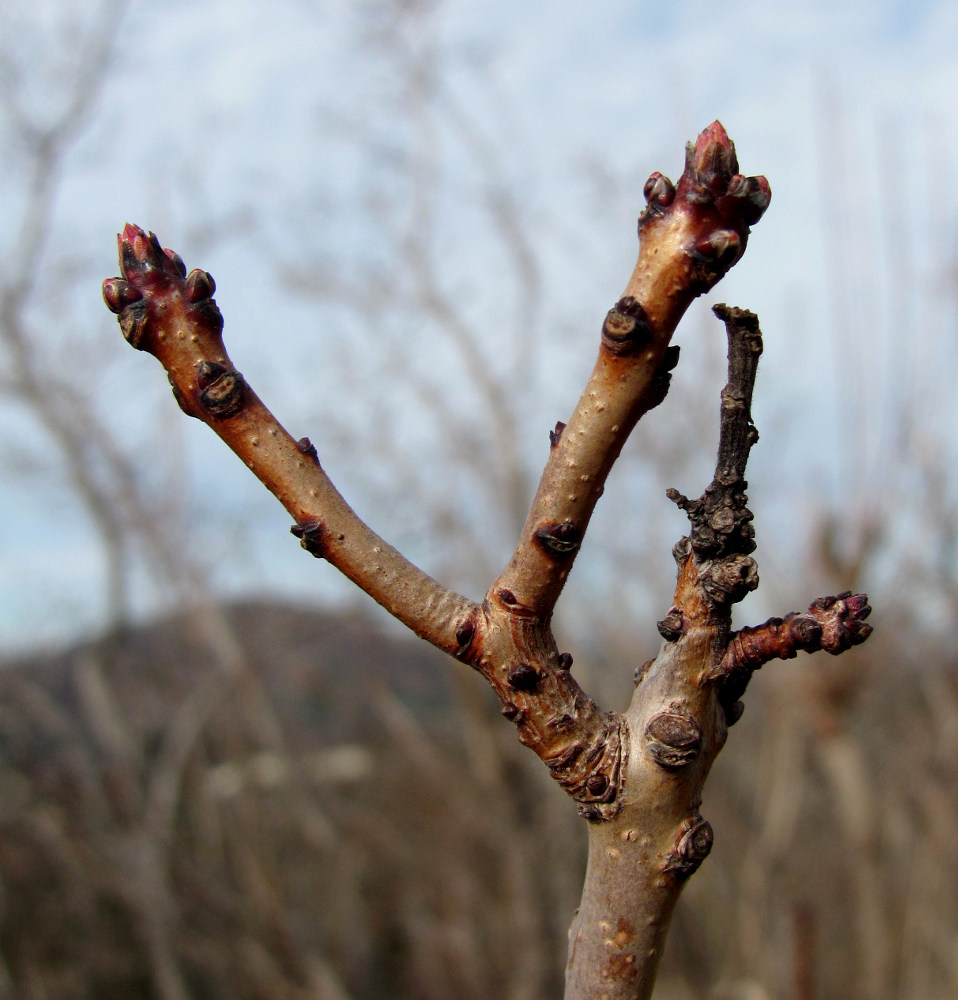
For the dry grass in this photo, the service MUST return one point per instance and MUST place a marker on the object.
(342, 816)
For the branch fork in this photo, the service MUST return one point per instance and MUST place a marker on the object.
(636, 776)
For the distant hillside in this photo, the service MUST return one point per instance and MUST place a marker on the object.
(268, 803)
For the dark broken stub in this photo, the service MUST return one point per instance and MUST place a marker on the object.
(512, 712)
(524, 677)
(310, 535)
(308, 448)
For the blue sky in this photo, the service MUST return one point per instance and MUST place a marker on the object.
(215, 113)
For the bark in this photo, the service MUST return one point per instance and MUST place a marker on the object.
(637, 777)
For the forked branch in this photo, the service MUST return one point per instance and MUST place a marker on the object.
(636, 776)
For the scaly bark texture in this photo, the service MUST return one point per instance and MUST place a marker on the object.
(637, 777)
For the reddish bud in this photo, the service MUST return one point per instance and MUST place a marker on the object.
(759, 198)
(712, 156)
(143, 260)
(559, 539)
(659, 190)
(597, 785)
(118, 294)
(738, 186)
(177, 261)
(721, 245)
(199, 285)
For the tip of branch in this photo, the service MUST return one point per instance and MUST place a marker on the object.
(842, 619)
(143, 261)
(150, 273)
(712, 156)
(712, 166)
(718, 205)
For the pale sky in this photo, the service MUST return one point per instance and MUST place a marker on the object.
(216, 109)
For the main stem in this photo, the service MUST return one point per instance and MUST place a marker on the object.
(684, 702)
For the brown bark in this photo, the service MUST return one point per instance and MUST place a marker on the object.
(636, 777)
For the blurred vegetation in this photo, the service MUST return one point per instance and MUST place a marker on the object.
(338, 815)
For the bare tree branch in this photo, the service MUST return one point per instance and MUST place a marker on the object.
(637, 777)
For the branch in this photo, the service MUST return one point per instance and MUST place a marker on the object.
(638, 777)
(173, 316)
(684, 702)
(690, 235)
(833, 624)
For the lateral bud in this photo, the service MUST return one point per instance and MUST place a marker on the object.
(626, 327)
(199, 285)
(728, 580)
(692, 848)
(673, 739)
(177, 261)
(465, 633)
(118, 294)
(134, 324)
(559, 539)
(672, 625)
(222, 391)
(721, 246)
(659, 193)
